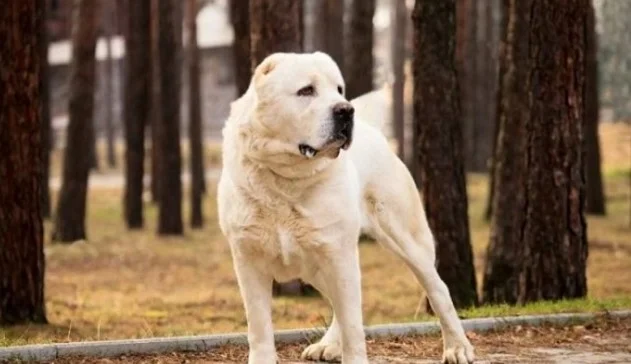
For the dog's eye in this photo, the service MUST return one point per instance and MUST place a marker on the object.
(340, 90)
(306, 91)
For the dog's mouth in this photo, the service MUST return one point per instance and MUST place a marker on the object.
(340, 141)
(307, 150)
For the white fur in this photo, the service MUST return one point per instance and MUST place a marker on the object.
(286, 215)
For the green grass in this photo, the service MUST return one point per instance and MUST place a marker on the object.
(584, 305)
(564, 306)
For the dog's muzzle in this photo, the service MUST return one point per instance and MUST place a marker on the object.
(343, 115)
(342, 134)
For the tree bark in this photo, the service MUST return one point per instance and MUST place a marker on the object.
(170, 193)
(21, 227)
(195, 132)
(44, 99)
(155, 110)
(538, 246)
(470, 79)
(509, 199)
(399, 20)
(437, 122)
(486, 127)
(137, 99)
(360, 63)
(330, 29)
(110, 13)
(554, 235)
(240, 19)
(480, 128)
(93, 143)
(70, 216)
(479, 100)
(594, 185)
(301, 22)
(502, 65)
(275, 27)
(462, 60)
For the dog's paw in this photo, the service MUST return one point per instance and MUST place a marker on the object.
(331, 352)
(459, 353)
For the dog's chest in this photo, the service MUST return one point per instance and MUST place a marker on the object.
(282, 232)
(287, 245)
(287, 242)
(289, 235)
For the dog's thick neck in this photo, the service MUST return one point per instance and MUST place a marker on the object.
(279, 157)
(265, 167)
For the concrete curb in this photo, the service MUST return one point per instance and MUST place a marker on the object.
(49, 352)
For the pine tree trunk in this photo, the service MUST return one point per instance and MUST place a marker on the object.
(487, 123)
(275, 27)
(109, 86)
(462, 23)
(155, 110)
(554, 234)
(538, 244)
(70, 216)
(195, 133)
(240, 19)
(137, 99)
(44, 99)
(594, 185)
(358, 70)
(93, 145)
(471, 79)
(399, 20)
(509, 200)
(170, 192)
(21, 228)
(480, 129)
(301, 22)
(502, 65)
(438, 125)
(330, 29)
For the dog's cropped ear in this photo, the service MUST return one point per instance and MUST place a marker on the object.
(269, 63)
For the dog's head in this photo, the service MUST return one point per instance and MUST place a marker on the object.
(300, 102)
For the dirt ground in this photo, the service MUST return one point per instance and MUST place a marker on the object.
(602, 341)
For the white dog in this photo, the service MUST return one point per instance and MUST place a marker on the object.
(294, 195)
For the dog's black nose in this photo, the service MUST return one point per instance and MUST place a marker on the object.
(343, 116)
(343, 111)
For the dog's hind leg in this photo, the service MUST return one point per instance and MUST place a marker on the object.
(399, 224)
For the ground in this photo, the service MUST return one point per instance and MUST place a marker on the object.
(602, 341)
(122, 284)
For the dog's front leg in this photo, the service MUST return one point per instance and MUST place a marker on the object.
(256, 292)
(343, 286)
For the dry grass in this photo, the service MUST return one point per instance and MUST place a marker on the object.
(123, 284)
